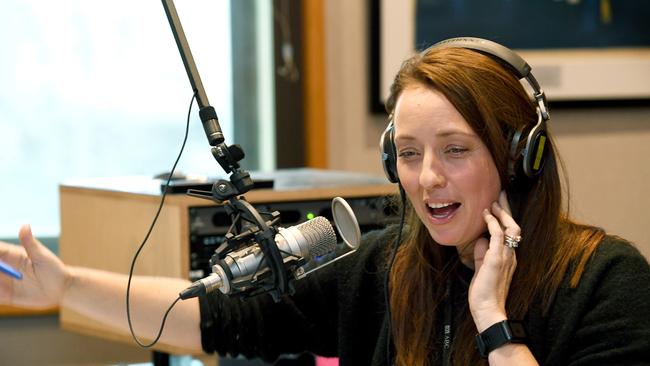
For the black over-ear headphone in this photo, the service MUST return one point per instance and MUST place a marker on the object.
(532, 155)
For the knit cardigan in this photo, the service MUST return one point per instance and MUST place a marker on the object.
(340, 311)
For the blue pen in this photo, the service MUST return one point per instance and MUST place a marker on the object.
(5, 268)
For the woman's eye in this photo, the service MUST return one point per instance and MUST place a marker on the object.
(456, 150)
(406, 154)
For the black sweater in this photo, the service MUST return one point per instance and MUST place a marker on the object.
(340, 311)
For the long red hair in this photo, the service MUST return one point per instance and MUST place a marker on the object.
(494, 103)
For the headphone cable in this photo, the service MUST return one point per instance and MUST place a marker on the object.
(393, 254)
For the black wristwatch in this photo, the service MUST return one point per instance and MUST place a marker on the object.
(503, 332)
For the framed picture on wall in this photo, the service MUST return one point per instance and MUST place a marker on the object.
(579, 50)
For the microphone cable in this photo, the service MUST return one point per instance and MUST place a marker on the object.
(144, 241)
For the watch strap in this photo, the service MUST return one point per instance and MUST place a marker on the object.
(498, 334)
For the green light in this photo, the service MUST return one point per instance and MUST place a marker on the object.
(310, 215)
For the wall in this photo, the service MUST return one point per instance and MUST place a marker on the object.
(606, 150)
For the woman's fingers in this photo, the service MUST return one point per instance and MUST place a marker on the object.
(494, 228)
(510, 227)
(495, 264)
(27, 239)
(37, 252)
(503, 202)
(480, 248)
(511, 230)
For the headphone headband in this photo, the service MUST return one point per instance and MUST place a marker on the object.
(518, 66)
(533, 153)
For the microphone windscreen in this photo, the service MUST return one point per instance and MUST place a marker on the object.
(346, 222)
(320, 236)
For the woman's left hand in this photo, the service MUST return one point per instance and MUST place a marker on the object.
(494, 265)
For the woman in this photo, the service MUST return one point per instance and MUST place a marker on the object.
(465, 267)
(455, 110)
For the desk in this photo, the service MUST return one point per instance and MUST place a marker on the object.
(35, 338)
(104, 221)
(16, 311)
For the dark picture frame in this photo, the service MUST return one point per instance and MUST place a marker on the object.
(581, 52)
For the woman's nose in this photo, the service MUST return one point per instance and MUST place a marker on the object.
(432, 174)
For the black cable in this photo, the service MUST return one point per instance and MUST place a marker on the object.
(393, 254)
(144, 241)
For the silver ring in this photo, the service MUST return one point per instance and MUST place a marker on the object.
(512, 241)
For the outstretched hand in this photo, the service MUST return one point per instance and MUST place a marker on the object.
(494, 264)
(44, 275)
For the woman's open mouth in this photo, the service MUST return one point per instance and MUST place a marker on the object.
(443, 211)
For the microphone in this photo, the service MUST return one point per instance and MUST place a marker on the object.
(311, 239)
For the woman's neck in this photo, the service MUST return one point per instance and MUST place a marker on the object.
(466, 254)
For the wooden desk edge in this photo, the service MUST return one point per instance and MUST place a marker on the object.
(6, 311)
(258, 195)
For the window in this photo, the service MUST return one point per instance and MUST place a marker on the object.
(98, 89)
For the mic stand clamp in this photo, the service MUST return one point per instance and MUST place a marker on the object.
(248, 228)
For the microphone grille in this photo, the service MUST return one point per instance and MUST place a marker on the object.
(319, 234)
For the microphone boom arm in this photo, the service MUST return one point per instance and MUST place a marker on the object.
(227, 156)
(246, 219)
(211, 125)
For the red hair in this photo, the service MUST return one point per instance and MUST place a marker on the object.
(494, 103)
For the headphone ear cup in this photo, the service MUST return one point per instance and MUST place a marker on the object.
(514, 156)
(534, 153)
(389, 153)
